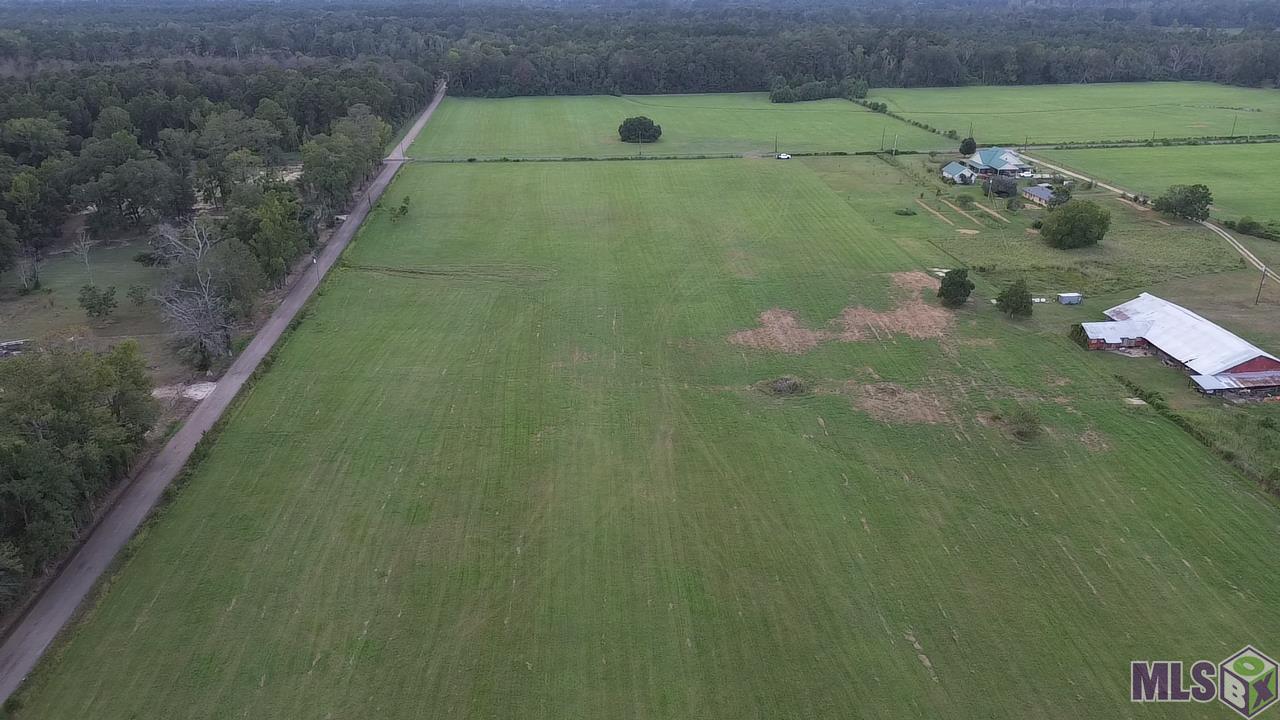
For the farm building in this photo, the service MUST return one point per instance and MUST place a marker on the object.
(997, 161)
(959, 174)
(1218, 360)
(1038, 194)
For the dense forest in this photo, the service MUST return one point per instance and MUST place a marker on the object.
(175, 120)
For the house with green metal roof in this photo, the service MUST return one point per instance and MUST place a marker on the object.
(997, 161)
(959, 174)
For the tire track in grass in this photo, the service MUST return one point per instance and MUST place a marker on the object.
(962, 212)
(936, 214)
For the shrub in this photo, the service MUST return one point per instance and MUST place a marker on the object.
(97, 303)
(968, 146)
(1024, 422)
(905, 212)
(1014, 204)
(1185, 201)
(965, 200)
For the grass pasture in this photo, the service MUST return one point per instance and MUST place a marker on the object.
(1075, 113)
(1240, 176)
(1140, 250)
(512, 466)
(54, 309)
(587, 126)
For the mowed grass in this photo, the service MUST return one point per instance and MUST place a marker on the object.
(510, 466)
(1240, 176)
(553, 127)
(1140, 249)
(1111, 111)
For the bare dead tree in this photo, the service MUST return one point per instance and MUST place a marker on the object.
(199, 315)
(193, 301)
(81, 247)
(28, 268)
(188, 246)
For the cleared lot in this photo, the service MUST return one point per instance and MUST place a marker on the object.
(523, 459)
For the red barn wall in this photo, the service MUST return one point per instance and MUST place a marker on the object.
(1257, 364)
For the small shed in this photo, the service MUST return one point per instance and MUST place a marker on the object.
(1070, 298)
(1038, 194)
(959, 174)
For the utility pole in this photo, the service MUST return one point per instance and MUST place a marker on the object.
(883, 130)
(1258, 299)
(1234, 120)
(775, 143)
(895, 144)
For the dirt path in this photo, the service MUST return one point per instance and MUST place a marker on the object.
(32, 634)
(939, 215)
(957, 209)
(1244, 252)
(991, 212)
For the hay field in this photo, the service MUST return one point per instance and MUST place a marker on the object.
(1112, 111)
(523, 459)
(587, 126)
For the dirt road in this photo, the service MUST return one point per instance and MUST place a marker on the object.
(57, 604)
(1235, 244)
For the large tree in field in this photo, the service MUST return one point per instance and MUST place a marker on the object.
(1185, 201)
(955, 287)
(1079, 223)
(1015, 300)
(639, 129)
(968, 146)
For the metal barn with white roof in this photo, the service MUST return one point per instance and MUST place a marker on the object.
(1218, 359)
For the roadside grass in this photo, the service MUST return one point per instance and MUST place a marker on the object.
(1039, 114)
(587, 126)
(511, 466)
(1240, 176)
(1141, 248)
(53, 311)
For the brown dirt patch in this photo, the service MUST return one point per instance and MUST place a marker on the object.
(781, 331)
(892, 403)
(1033, 232)
(914, 318)
(965, 231)
(1094, 441)
(916, 281)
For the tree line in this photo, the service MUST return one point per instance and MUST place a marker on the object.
(70, 424)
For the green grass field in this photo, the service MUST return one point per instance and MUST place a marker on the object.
(511, 465)
(1112, 111)
(541, 127)
(1141, 248)
(1240, 176)
(54, 310)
